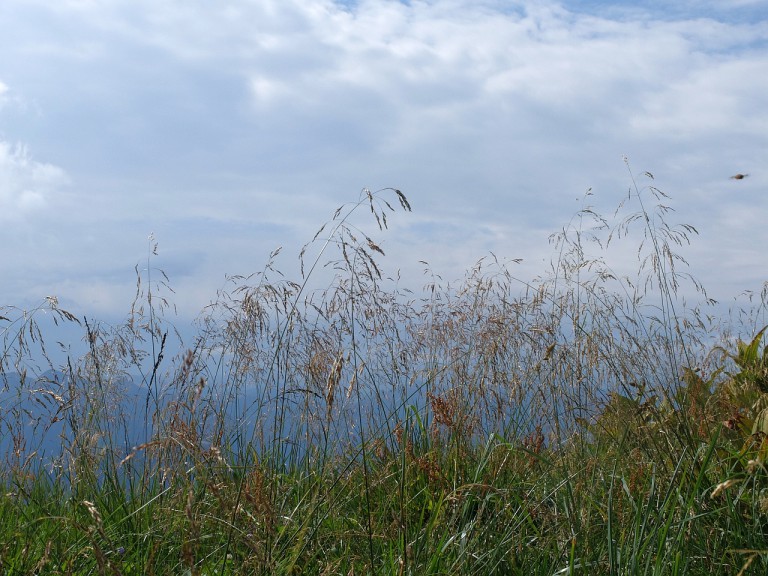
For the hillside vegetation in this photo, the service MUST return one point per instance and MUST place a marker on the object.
(581, 422)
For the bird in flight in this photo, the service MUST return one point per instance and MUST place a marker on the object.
(739, 176)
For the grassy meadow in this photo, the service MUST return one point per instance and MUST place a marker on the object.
(580, 422)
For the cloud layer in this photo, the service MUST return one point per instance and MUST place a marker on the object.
(229, 130)
(25, 184)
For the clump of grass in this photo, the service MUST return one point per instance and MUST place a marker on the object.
(583, 421)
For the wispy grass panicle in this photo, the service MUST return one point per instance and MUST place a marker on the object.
(345, 422)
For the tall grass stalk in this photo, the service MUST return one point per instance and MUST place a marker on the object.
(588, 420)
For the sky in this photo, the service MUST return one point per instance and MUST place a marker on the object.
(224, 130)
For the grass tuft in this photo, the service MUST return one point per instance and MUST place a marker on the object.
(586, 421)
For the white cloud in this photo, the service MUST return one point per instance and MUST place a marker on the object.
(266, 91)
(25, 184)
(716, 96)
(5, 97)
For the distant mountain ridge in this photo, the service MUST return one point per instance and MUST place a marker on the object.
(38, 420)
